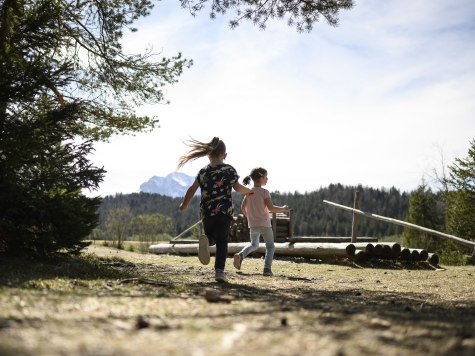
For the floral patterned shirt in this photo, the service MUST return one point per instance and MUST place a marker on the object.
(216, 187)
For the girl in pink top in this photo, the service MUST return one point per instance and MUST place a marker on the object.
(256, 208)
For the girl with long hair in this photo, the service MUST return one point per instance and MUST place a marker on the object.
(216, 181)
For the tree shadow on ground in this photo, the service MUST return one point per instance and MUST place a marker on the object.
(16, 272)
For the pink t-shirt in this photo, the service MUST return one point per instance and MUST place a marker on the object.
(257, 212)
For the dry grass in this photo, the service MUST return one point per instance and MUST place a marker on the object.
(113, 302)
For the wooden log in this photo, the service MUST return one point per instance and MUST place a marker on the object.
(360, 256)
(331, 239)
(365, 246)
(387, 251)
(378, 250)
(359, 244)
(395, 250)
(369, 248)
(415, 255)
(382, 251)
(311, 250)
(405, 254)
(194, 241)
(350, 249)
(316, 250)
(433, 259)
(423, 254)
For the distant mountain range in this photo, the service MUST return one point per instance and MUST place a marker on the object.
(173, 185)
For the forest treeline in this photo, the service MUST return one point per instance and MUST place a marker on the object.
(312, 217)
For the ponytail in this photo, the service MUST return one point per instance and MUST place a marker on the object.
(199, 149)
(256, 173)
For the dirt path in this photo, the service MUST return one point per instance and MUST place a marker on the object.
(157, 305)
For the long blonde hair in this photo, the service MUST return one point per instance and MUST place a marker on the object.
(214, 148)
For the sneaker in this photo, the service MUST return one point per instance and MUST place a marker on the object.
(268, 272)
(237, 260)
(220, 276)
(203, 250)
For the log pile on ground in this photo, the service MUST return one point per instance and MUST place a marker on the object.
(359, 251)
(392, 251)
(239, 231)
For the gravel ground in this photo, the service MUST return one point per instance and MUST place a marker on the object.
(114, 302)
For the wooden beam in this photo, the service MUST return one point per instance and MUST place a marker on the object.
(405, 224)
(184, 232)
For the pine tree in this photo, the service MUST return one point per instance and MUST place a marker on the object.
(299, 13)
(422, 212)
(461, 197)
(65, 82)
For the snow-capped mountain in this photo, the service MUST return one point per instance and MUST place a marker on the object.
(173, 185)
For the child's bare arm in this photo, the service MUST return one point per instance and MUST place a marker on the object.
(238, 187)
(189, 195)
(274, 208)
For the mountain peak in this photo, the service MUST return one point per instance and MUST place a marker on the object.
(173, 185)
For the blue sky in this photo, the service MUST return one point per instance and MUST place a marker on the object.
(381, 100)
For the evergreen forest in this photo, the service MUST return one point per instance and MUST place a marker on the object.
(311, 216)
(450, 209)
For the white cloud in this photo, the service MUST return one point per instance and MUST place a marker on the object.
(365, 102)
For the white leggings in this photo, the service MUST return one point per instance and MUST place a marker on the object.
(268, 236)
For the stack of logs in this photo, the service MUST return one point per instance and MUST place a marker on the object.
(239, 231)
(312, 247)
(359, 251)
(390, 251)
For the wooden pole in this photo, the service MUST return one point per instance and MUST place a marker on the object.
(354, 225)
(291, 224)
(274, 224)
(191, 227)
(406, 224)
